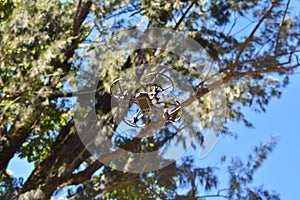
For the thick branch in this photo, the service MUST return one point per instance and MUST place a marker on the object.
(12, 142)
(88, 172)
(58, 166)
(81, 14)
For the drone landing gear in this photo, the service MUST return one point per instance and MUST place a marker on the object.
(141, 119)
(136, 118)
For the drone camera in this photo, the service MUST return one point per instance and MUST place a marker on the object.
(144, 102)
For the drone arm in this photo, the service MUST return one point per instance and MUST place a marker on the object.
(172, 116)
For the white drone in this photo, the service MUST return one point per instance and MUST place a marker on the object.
(147, 101)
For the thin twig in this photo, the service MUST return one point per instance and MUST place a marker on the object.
(183, 16)
(249, 38)
(280, 26)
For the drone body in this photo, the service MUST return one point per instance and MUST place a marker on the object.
(144, 102)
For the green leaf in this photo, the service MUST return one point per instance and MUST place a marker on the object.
(58, 85)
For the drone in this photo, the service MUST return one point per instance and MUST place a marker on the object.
(147, 101)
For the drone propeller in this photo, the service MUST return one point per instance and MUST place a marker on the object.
(159, 81)
(119, 89)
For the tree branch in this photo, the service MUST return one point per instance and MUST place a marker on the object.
(280, 26)
(249, 38)
(81, 14)
(183, 16)
(88, 172)
(12, 142)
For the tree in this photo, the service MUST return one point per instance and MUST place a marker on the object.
(47, 46)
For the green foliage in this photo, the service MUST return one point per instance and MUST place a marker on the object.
(6, 7)
(35, 32)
